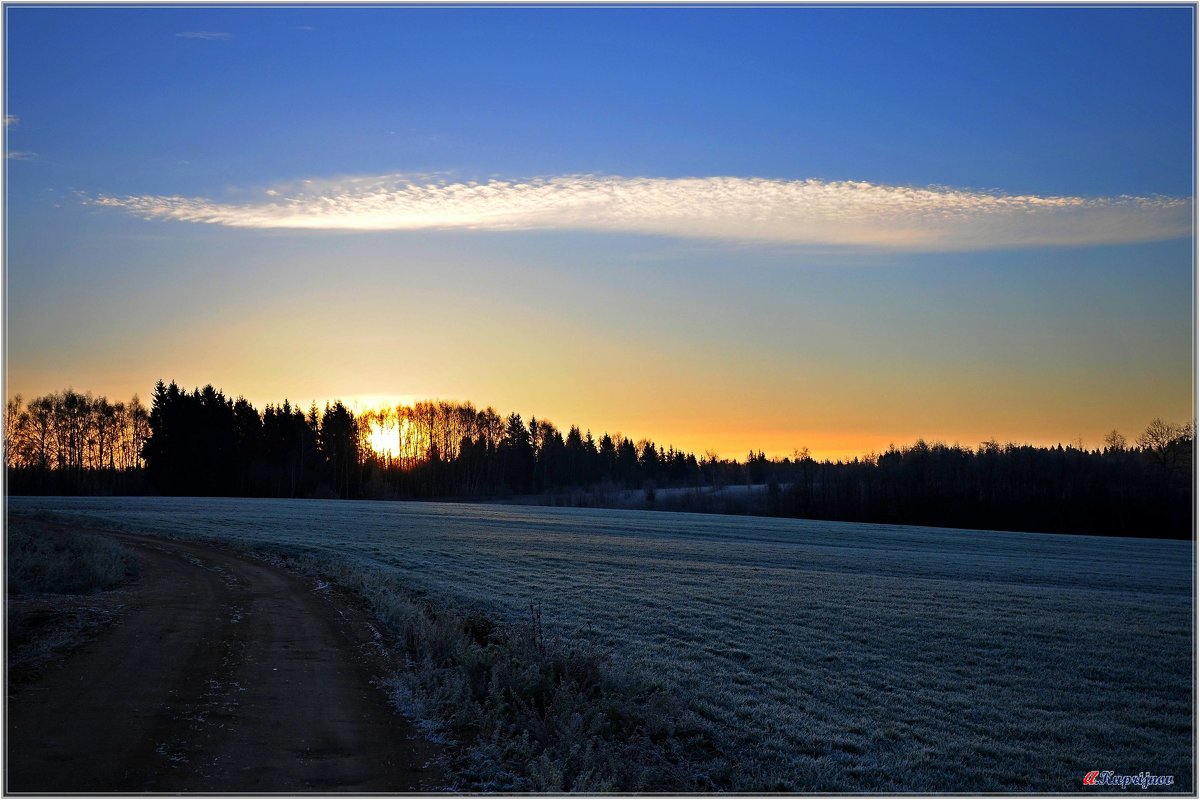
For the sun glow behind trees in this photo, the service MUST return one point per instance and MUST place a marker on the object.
(384, 436)
(406, 435)
(385, 427)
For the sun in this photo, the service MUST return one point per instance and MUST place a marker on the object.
(384, 439)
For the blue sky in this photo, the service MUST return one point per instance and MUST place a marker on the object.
(809, 323)
(1042, 100)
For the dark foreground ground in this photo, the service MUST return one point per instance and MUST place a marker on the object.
(222, 674)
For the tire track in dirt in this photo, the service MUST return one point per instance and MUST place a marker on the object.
(224, 674)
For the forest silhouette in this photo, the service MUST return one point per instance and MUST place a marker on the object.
(205, 443)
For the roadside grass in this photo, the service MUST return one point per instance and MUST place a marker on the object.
(58, 592)
(529, 712)
(43, 561)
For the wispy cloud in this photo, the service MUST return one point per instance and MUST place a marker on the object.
(11, 119)
(204, 35)
(20, 155)
(804, 212)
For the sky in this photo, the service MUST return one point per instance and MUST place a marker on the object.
(720, 228)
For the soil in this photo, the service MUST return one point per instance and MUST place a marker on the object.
(222, 674)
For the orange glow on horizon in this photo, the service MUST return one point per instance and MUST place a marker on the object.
(390, 436)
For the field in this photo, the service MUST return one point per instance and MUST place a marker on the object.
(825, 656)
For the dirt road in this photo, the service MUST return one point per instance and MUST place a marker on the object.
(224, 674)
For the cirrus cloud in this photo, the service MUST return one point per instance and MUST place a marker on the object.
(798, 212)
(207, 35)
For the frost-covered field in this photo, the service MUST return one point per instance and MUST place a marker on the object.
(828, 656)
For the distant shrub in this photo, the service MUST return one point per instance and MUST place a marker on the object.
(534, 713)
(50, 562)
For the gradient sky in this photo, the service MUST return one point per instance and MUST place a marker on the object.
(723, 228)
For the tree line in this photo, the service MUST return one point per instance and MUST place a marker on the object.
(69, 442)
(1145, 489)
(202, 442)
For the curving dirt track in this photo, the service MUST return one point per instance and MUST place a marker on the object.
(224, 674)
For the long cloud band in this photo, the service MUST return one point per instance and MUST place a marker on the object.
(805, 212)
